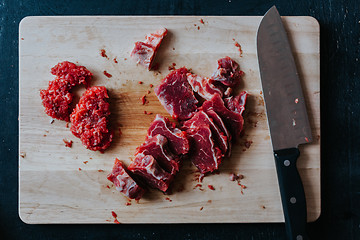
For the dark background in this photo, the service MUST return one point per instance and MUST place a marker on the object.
(340, 120)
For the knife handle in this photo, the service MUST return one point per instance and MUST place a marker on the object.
(292, 193)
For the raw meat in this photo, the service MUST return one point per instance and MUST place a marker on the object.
(146, 167)
(177, 139)
(72, 74)
(123, 181)
(89, 120)
(158, 148)
(176, 95)
(233, 120)
(236, 104)
(227, 72)
(203, 154)
(203, 86)
(57, 97)
(57, 100)
(144, 52)
(201, 118)
(221, 125)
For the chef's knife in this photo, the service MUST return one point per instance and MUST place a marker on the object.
(287, 117)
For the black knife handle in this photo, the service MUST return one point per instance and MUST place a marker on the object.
(292, 193)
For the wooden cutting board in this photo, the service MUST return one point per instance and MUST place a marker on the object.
(68, 185)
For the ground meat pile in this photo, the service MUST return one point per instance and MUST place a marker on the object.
(57, 98)
(89, 119)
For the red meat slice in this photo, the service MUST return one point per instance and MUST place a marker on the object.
(157, 147)
(57, 97)
(177, 139)
(144, 52)
(233, 120)
(221, 125)
(237, 104)
(203, 86)
(227, 72)
(89, 120)
(176, 95)
(201, 118)
(203, 154)
(146, 167)
(123, 182)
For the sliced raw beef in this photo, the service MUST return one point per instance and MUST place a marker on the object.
(177, 139)
(123, 181)
(203, 154)
(176, 95)
(144, 52)
(233, 120)
(90, 119)
(158, 148)
(221, 125)
(146, 167)
(201, 118)
(57, 97)
(236, 104)
(203, 86)
(227, 72)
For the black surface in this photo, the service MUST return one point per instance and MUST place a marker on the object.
(340, 133)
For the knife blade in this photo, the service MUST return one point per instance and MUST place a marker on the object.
(287, 117)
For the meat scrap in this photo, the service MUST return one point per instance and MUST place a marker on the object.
(237, 103)
(177, 139)
(158, 148)
(146, 167)
(124, 183)
(57, 98)
(144, 52)
(90, 119)
(227, 72)
(176, 95)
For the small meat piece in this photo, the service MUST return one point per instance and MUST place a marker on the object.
(233, 120)
(144, 52)
(203, 86)
(72, 74)
(203, 154)
(201, 118)
(57, 97)
(236, 104)
(158, 148)
(155, 39)
(177, 139)
(227, 72)
(89, 120)
(123, 182)
(146, 167)
(176, 95)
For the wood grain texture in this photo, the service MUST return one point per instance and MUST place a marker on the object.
(51, 187)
